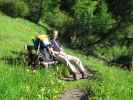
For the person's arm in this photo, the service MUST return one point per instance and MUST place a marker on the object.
(52, 51)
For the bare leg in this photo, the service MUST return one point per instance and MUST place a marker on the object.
(77, 62)
(69, 64)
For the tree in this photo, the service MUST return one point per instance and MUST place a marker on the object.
(36, 8)
(14, 8)
(67, 6)
(122, 10)
(91, 22)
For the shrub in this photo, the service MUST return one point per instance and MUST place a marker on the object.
(56, 19)
(111, 53)
(91, 22)
(14, 8)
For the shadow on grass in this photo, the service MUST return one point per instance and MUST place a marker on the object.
(123, 62)
(96, 76)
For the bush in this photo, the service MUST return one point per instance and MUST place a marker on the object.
(116, 54)
(91, 22)
(111, 53)
(56, 19)
(14, 8)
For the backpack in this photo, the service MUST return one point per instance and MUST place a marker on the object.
(41, 43)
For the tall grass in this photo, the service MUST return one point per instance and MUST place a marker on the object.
(108, 82)
(112, 52)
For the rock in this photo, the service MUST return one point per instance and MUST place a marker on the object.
(73, 94)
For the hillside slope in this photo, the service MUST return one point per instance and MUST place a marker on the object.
(16, 82)
(108, 82)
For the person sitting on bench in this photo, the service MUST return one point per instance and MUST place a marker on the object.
(70, 60)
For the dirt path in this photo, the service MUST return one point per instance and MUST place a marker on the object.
(73, 94)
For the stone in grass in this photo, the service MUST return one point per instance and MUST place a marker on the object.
(73, 94)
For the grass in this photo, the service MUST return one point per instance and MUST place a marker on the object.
(108, 82)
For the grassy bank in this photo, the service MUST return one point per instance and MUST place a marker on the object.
(108, 82)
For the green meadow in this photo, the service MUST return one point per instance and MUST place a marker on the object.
(19, 82)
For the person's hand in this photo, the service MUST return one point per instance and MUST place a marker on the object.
(61, 49)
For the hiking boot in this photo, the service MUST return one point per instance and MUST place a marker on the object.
(84, 75)
(77, 76)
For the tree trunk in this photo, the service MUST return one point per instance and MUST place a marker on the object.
(39, 12)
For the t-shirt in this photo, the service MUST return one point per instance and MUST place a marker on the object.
(55, 45)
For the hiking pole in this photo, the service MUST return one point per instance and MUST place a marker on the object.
(38, 48)
(38, 55)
